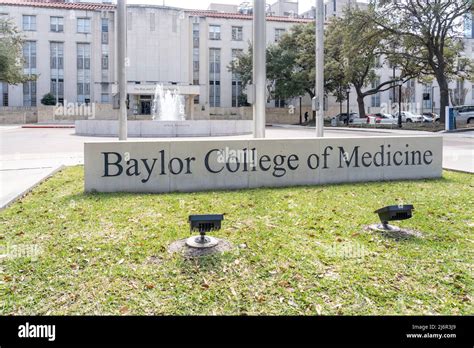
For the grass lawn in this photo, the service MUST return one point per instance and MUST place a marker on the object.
(298, 251)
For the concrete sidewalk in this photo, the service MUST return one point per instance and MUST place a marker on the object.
(15, 183)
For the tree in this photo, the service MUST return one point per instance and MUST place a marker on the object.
(48, 99)
(428, 35)
(355, 49)
(290, 65)
(11, 60)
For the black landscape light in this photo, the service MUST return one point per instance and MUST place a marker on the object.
(204, 224)
(393, 213)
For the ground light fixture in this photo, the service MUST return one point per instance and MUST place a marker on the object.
(204, 224)
(392, 213)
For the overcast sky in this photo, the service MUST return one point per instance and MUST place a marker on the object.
(304, 5)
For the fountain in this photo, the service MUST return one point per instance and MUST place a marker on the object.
(168, 120)
(167, 105)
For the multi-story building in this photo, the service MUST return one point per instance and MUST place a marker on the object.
(70, 46)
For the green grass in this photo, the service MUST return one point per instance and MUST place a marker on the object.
(306, 251)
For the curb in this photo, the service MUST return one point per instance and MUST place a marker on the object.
(461, 130)
(49, 126)
(457, 170)
(29, 189)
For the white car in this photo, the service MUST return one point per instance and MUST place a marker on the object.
(409, 117)
(465, 114)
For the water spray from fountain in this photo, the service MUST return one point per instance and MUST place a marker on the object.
(168, 105)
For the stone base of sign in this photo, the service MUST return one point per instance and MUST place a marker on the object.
(199, 165)
(163, 129)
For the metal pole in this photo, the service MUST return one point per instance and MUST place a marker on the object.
(259, 67)
(432, 99)
(122, 73)
(301, 113)
(348, 95)
(399, 105)
(319, 83)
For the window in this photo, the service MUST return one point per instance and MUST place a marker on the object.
(105, 61)
(83, 72)
(29, 23)
(215, 32)
(237, 33)
(280, 103)
(83, 25)
(196, 57)
(104, 98)
(278, 34)
(129, 20)
(236, 82)
(57, 70)
(4, 94)
(427, 92)
(104, 31)
(29, 93)
(152, 22)
(57, 24)
(214, 77)
(375, 98)
(29, 57)
(29, 68)
(334, 5)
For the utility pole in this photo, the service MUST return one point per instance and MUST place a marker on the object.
(122, 73)
(319, 85)
(259, 68)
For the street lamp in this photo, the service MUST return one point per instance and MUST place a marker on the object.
(400, 83)
(348, 92)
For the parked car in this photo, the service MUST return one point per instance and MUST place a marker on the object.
(465, 114)
(430, 117)
(382, 118)
(409, 117)
(342, 118)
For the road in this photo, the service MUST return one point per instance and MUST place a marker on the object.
(28, 155)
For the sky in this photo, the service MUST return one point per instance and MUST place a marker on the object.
(304, 5)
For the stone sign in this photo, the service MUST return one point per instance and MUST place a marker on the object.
(196, 165)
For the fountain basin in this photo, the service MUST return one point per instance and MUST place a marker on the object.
(158, 129)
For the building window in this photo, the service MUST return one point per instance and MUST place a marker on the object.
(29, 93)
(214, 77)
(29, 68)
(196, 55)
(29, 23)
(29, 57)
(236, 82)
(334, 5)
(57, 70)
(105, 31)
(280, 103)
(427, 97)
(57, 24)
(83, 73)
(105, 61)
(278, 34)
(152, 22)
(375, 98)
(104, 98)
(237, 33)
(214, 32)
(129, 20)
(83, 25)
(4, 95)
